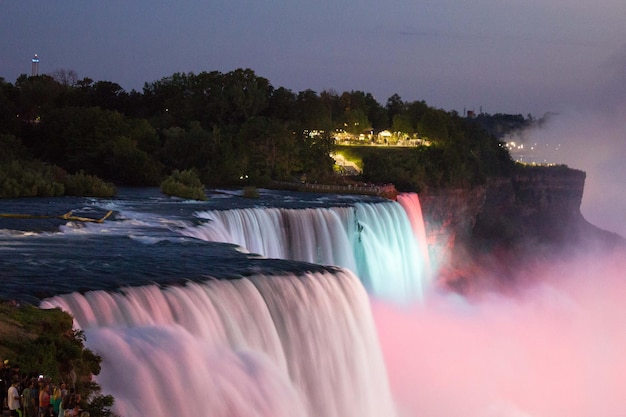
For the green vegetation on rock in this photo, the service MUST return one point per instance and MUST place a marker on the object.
(43, 342)
(184, 184)
(250, 192)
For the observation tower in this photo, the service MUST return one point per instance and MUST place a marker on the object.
(35, 66)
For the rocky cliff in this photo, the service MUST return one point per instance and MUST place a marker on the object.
(480, 237)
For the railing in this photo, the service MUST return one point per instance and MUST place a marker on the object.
(387, 190)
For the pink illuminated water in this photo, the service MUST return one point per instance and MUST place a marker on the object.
(260, 346)
(411, 204)
(318, 345)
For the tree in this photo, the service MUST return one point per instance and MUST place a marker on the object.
(37, 95)
(312, 113)
(245, 93)
(314, 153)
(395, 106)
(108, 95)
(271, 150)
(167, 100)
(356, 122)
(8, 108)
(125, 163)
(65, 77)
(187, 148)
(402, 123)
(434, 125)
(415, 111)
(356, 106)
(282, 104)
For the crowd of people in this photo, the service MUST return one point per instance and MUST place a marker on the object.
(36, 396)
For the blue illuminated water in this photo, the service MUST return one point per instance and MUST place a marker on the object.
(151, 238)
(229, 307)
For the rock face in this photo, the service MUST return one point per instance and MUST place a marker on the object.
(506, 223)
(538, 204)
(450, 216)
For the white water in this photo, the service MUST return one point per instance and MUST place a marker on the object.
(380, 243)
(260, 346)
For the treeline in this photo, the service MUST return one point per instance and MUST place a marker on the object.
(461, 155)
(229, 128)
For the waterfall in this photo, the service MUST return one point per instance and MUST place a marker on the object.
(258, 346)
(382, 243)
(410, 202)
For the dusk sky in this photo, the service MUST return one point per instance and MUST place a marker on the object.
(501, 56)
(508, 56)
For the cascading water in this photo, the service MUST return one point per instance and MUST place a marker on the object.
(410, 202)
(260, 346)
(271, 336)
(380, 243)
(295, 339)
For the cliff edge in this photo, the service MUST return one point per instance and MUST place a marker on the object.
(480, 238)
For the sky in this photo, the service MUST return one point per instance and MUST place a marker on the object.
(498, 56)
(507, 56)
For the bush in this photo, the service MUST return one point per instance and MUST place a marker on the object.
(28, 179)
(81, 184)
(184, 184)
(250, 192)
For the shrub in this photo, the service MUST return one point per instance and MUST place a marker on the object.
(184, 184)
(20, 178)
(81, 184)
(250, 192)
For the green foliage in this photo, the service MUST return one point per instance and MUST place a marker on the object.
(20, 178)
(44, 342)
(434, 125)
(98, 404)
(250, 192)
(188, 148)
(184, 184)
(81, 184)
(36, 179)
(467, 157)
(228, 126)
(271, 151)
(11, 148)
(402, 123)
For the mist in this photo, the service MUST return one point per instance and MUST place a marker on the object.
(589, 133)
(555, 349)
